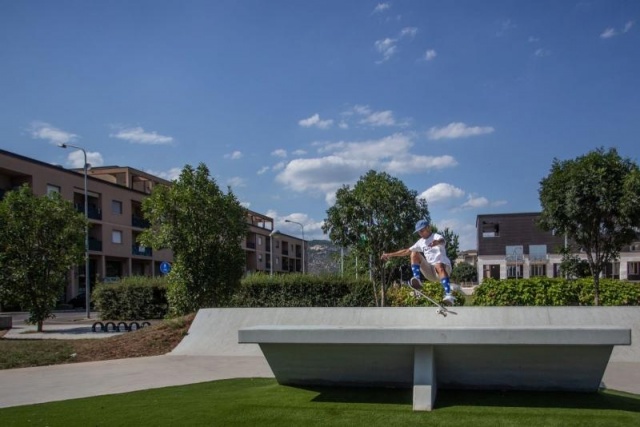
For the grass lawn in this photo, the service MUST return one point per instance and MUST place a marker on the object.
(262, 402)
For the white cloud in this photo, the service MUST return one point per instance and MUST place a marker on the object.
(475, 202)
(441, 191)
(343, 125)
(379, 118)
(75, 159)
(533, 39)
(628, 26)
(170, 175)
(608, 33)
(279, 166)
(505, 27)
(236, 155)
(408, 32)
(381, 7)
(542, 52)
(612, 32)
(42, 130)
(236, 182)
(279, 153)
(430, 54)
(370, 117)
(458, 130)
(138, 135)
(263, 170)
(386, 47)
(314, 121)
(344, 162)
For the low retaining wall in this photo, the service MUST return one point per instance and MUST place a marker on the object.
(214, 332)
(6, 322)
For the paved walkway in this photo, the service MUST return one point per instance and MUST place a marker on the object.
(76, 380)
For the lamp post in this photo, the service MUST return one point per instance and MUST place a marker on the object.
(303, 243)
(86, 231)
(272, 235)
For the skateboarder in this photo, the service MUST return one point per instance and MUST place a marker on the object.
(428, 255)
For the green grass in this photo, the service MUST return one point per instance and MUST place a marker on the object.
(20, 353)
(262, 402)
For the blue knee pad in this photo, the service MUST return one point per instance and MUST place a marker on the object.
(445, 284)
(415, 269)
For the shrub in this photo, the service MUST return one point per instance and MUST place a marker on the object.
(133, 298)
(303, 290)
(543, 291)
(403, 296)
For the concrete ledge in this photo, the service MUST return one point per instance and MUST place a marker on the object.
(310, 334)
(6, 322)
(517, 358)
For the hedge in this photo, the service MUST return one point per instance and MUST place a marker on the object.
(543, 291)
(298, 290)
(403, 296)
(133, 298)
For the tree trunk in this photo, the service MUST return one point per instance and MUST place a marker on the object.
(40, 323)
(596, 289)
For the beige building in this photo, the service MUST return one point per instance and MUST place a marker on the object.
(115, 196)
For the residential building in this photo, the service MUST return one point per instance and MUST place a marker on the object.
(511, 245)
(115, 196)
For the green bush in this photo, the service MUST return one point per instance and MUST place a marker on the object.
(133, 298)
(544, 291)
(303, 290)
(403, 296)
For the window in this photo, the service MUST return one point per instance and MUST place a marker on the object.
(538, 270)
(514, 254)
(116, 207)
(538, 253)
(490, 229)
(52, 189)
(116, 236)
(514, 271)
(633, 268)
(259, 241)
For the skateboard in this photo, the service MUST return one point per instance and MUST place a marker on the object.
(416, 286)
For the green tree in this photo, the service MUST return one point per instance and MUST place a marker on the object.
(451, 241)
(464, 272)
(204, 228)
(571, 266)
(41, 238)
(375, 216)
(594, 200)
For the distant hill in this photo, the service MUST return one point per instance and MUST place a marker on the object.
(324, 257)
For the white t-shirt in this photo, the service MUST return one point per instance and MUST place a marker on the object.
(435, 254)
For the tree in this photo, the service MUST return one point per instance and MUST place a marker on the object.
(464, 272)
(594, 200)
(377, 215)
(204, 228)
(451, 241)
(41, 239)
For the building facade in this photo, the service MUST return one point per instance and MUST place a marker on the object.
(512, 245)
(115, 196)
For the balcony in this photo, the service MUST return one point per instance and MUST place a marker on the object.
(139, 222)
(141, 251)
(92, 211)
(95, 245)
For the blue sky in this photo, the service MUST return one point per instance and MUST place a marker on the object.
(466, 102)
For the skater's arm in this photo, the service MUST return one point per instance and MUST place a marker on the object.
(401, 252)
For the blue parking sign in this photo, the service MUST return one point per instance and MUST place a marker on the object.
(165, 267)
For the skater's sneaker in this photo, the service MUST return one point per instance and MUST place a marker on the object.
(449, 299)
(414, 282)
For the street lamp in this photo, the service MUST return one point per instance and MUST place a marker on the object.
(272, 235)
(86, 230)
(303, 244)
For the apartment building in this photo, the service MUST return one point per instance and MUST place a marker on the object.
(115, 196)
(511, 245)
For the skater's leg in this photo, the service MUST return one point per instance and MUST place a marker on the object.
(415, 281)
(443, 274)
